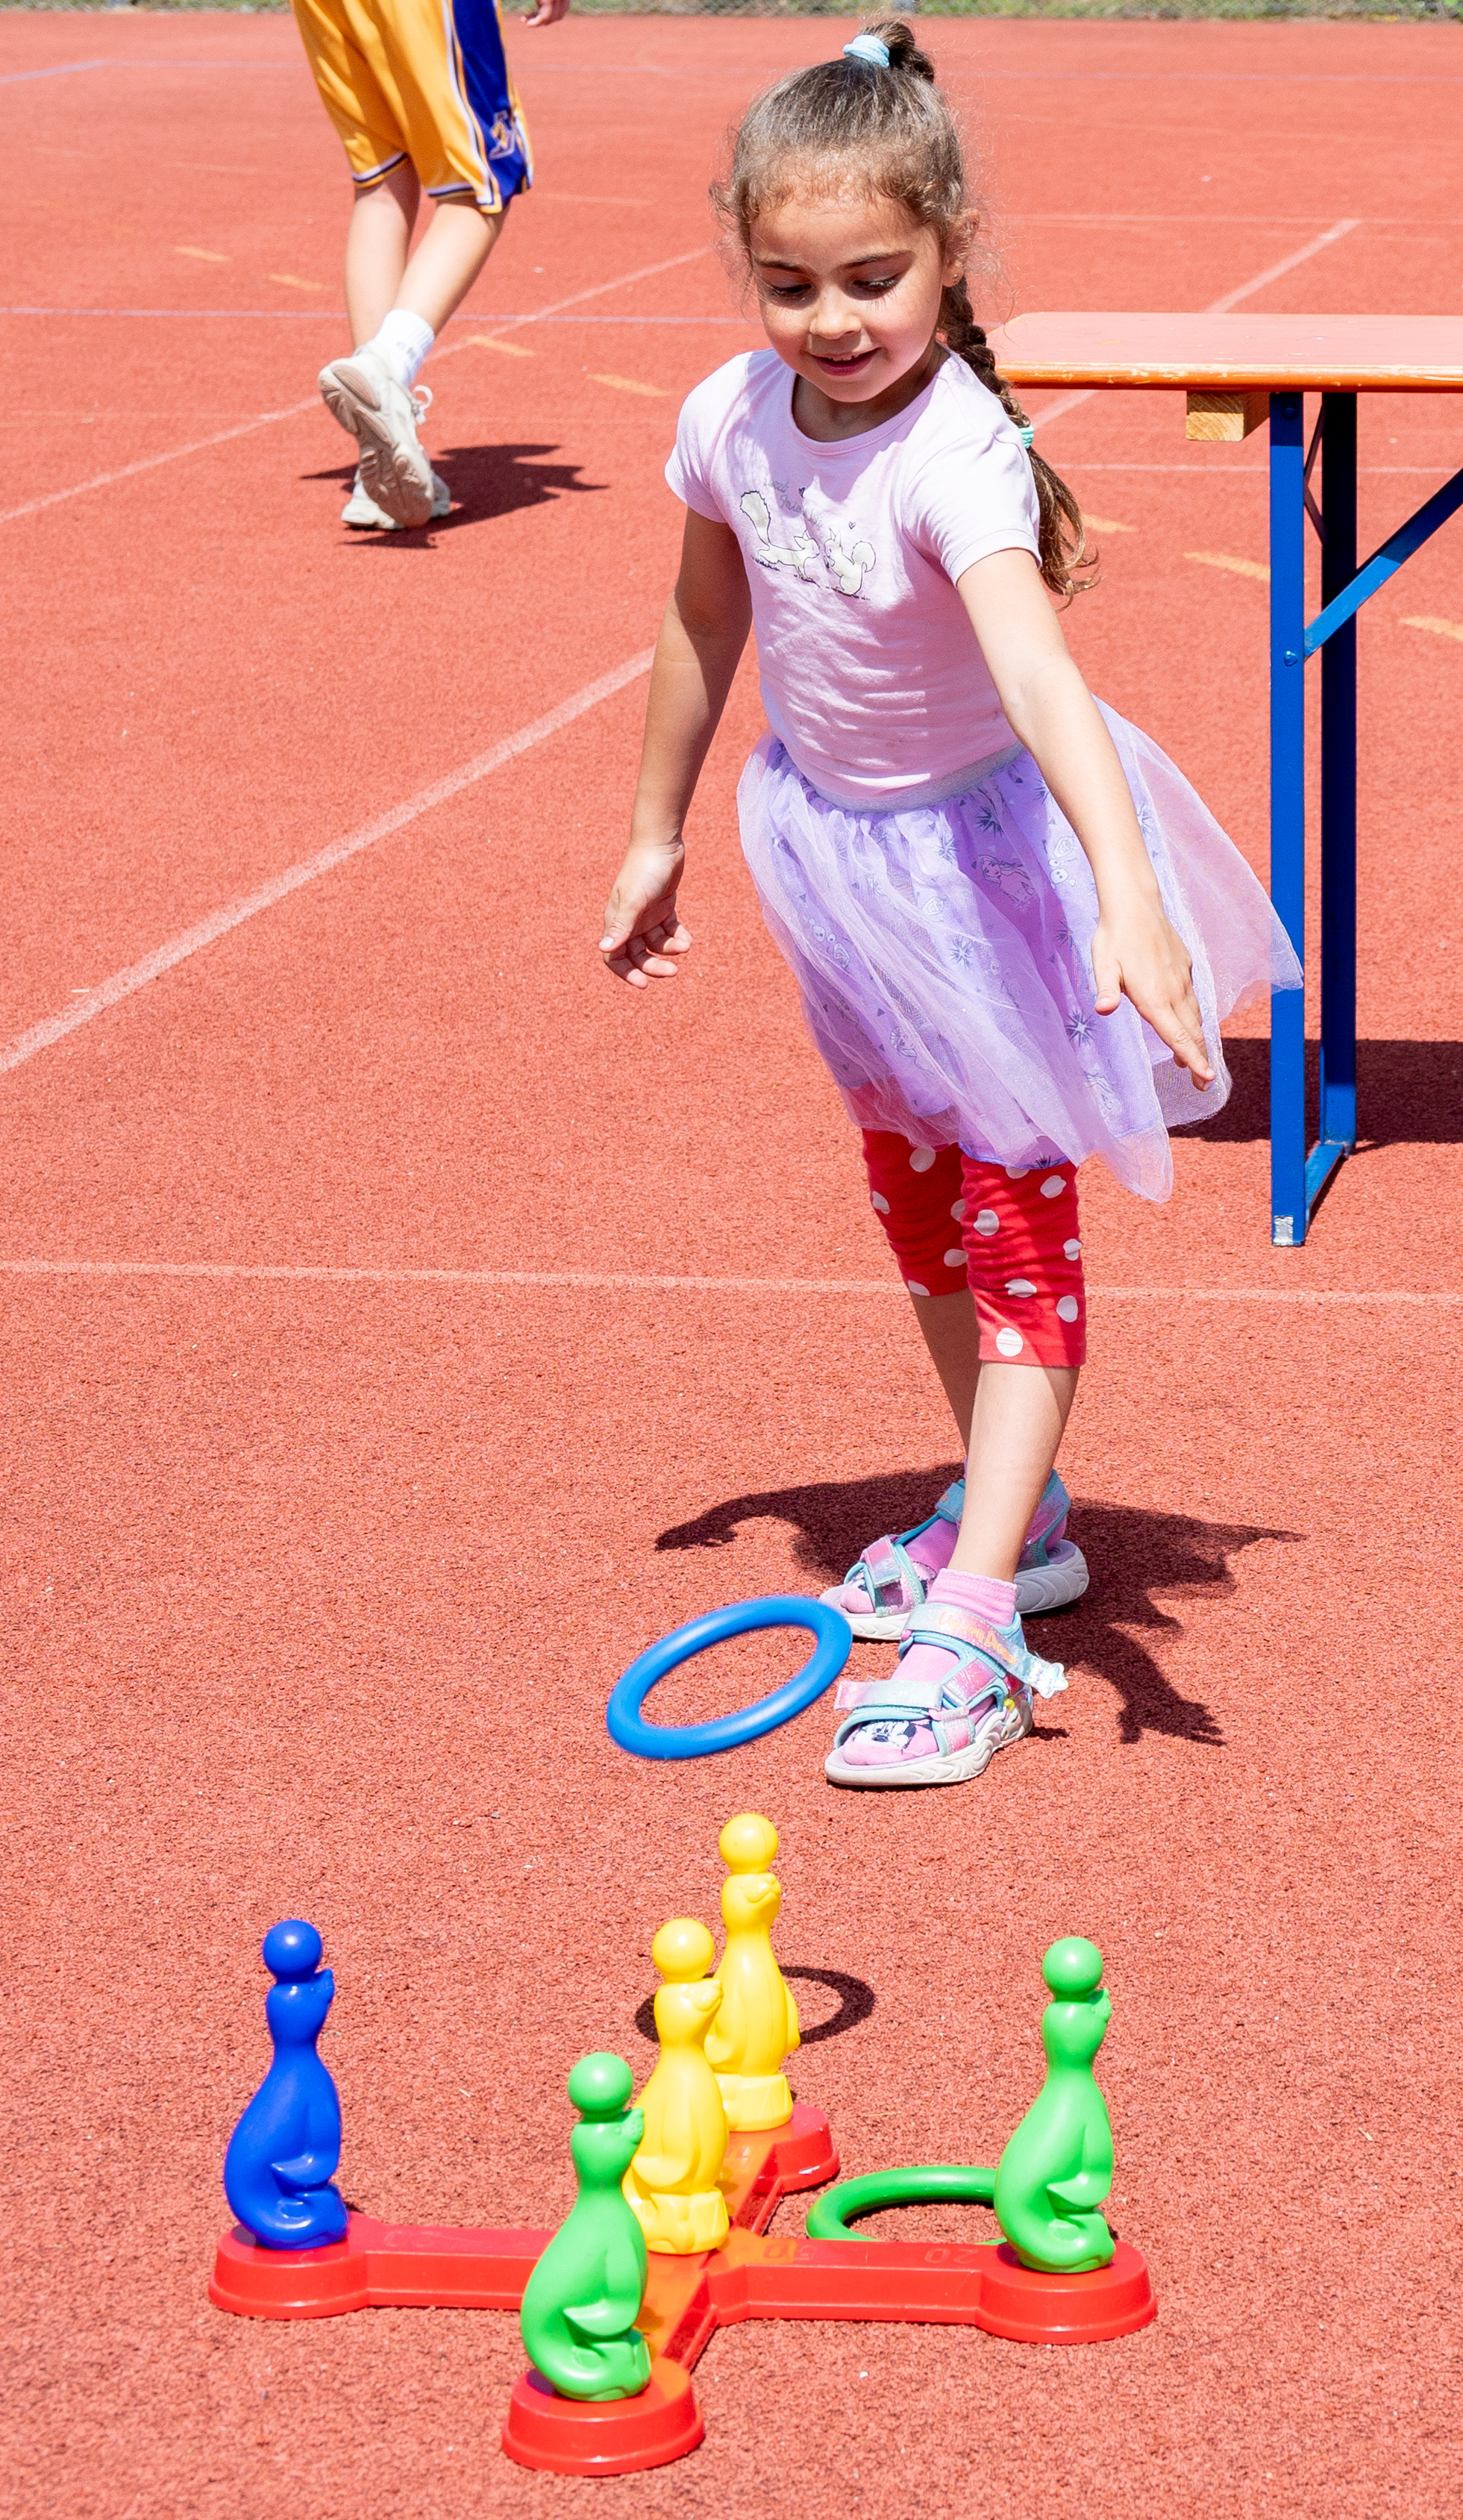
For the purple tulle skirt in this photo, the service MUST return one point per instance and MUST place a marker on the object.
(943, 952)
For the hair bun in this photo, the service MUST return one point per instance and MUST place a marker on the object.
(903, 52)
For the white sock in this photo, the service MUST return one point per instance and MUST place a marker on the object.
(403, 343)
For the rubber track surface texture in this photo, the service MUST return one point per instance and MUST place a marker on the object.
(316, 1584)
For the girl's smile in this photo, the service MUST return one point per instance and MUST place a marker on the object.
(848, 290)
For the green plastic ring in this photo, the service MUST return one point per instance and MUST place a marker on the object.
(933, 2183)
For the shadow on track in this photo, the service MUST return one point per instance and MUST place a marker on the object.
(1409, 1094)
(1134, 1557)
(856, 2001)
(485, 482)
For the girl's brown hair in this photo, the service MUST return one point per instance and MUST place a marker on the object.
(897, 126)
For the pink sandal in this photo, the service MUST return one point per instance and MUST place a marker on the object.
(948, 1728)
(891, 1581)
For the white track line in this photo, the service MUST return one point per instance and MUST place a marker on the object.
(337, 315)
(1287, 262)
(63, 69)
(1217, 306)
(1217, 78)
(151, 462)
(758, 70)
(1248, 470)
(292, 411)
(976, 75)
(631, 1282)
(193, 940)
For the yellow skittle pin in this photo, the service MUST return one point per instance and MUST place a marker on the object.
(671, 2185)
(757, 2025)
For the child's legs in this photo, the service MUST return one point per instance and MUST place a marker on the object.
(952, 1336)
(448, 260)
(1009, 1288)
(1021, 1412)
(378, 247)
(420, 93)
(381, 272)
(917, 1193)
(1023, 1254)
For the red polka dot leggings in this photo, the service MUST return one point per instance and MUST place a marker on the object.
(1017, 1247)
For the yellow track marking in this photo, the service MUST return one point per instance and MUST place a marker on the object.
(628, 384)
(1425, 621)
(200, 254)
(509, 349)
(1106, 524)
(286, 279)
(1226, 560)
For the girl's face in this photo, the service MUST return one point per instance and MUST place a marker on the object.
(848, 290)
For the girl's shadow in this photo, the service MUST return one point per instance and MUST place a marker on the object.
(1134, 1557)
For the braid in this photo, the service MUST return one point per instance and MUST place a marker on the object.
(1062, 535)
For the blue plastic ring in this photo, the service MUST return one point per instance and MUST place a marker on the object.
(629, 1727)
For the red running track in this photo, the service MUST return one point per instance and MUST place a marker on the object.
(403, 1326)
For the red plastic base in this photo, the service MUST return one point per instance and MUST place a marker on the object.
(377, 2265)
(618, 2438)
(1065, 2309)
(752, 2276)
(803, 2153)
(950, 2284)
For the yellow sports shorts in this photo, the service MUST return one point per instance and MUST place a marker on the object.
(424, 79)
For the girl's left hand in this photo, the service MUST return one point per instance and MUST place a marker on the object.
(1138, 955)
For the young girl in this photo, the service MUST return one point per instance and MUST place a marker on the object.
(1014, 925)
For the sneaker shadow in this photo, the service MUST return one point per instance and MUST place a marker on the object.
(485, 482)
(1136, 1558)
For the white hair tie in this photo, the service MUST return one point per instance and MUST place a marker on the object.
(868, 48)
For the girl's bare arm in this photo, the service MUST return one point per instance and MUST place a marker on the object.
(1136, 952)
(700, 644)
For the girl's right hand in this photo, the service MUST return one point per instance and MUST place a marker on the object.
(641, 927)
(1138, 955)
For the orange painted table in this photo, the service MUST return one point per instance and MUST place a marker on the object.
(1239, 371)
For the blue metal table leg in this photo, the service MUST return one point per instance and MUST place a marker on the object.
(1288, 1209)
(1338, 1077)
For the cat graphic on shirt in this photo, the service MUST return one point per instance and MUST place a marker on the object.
(846, 555)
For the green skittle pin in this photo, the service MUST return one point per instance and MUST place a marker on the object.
(583, 2296)
(1055, 2173)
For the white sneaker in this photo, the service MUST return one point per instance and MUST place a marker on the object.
(361, 510)
(362, 393)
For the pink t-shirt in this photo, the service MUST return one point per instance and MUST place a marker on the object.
(871, 674)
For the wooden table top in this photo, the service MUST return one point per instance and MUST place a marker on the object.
(1312, 353)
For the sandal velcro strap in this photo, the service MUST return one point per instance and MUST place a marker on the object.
(941, 1622)
(1050, 1517)
(887, 1571)
(944, 1697)
(895, 1696)
(944, 1623)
